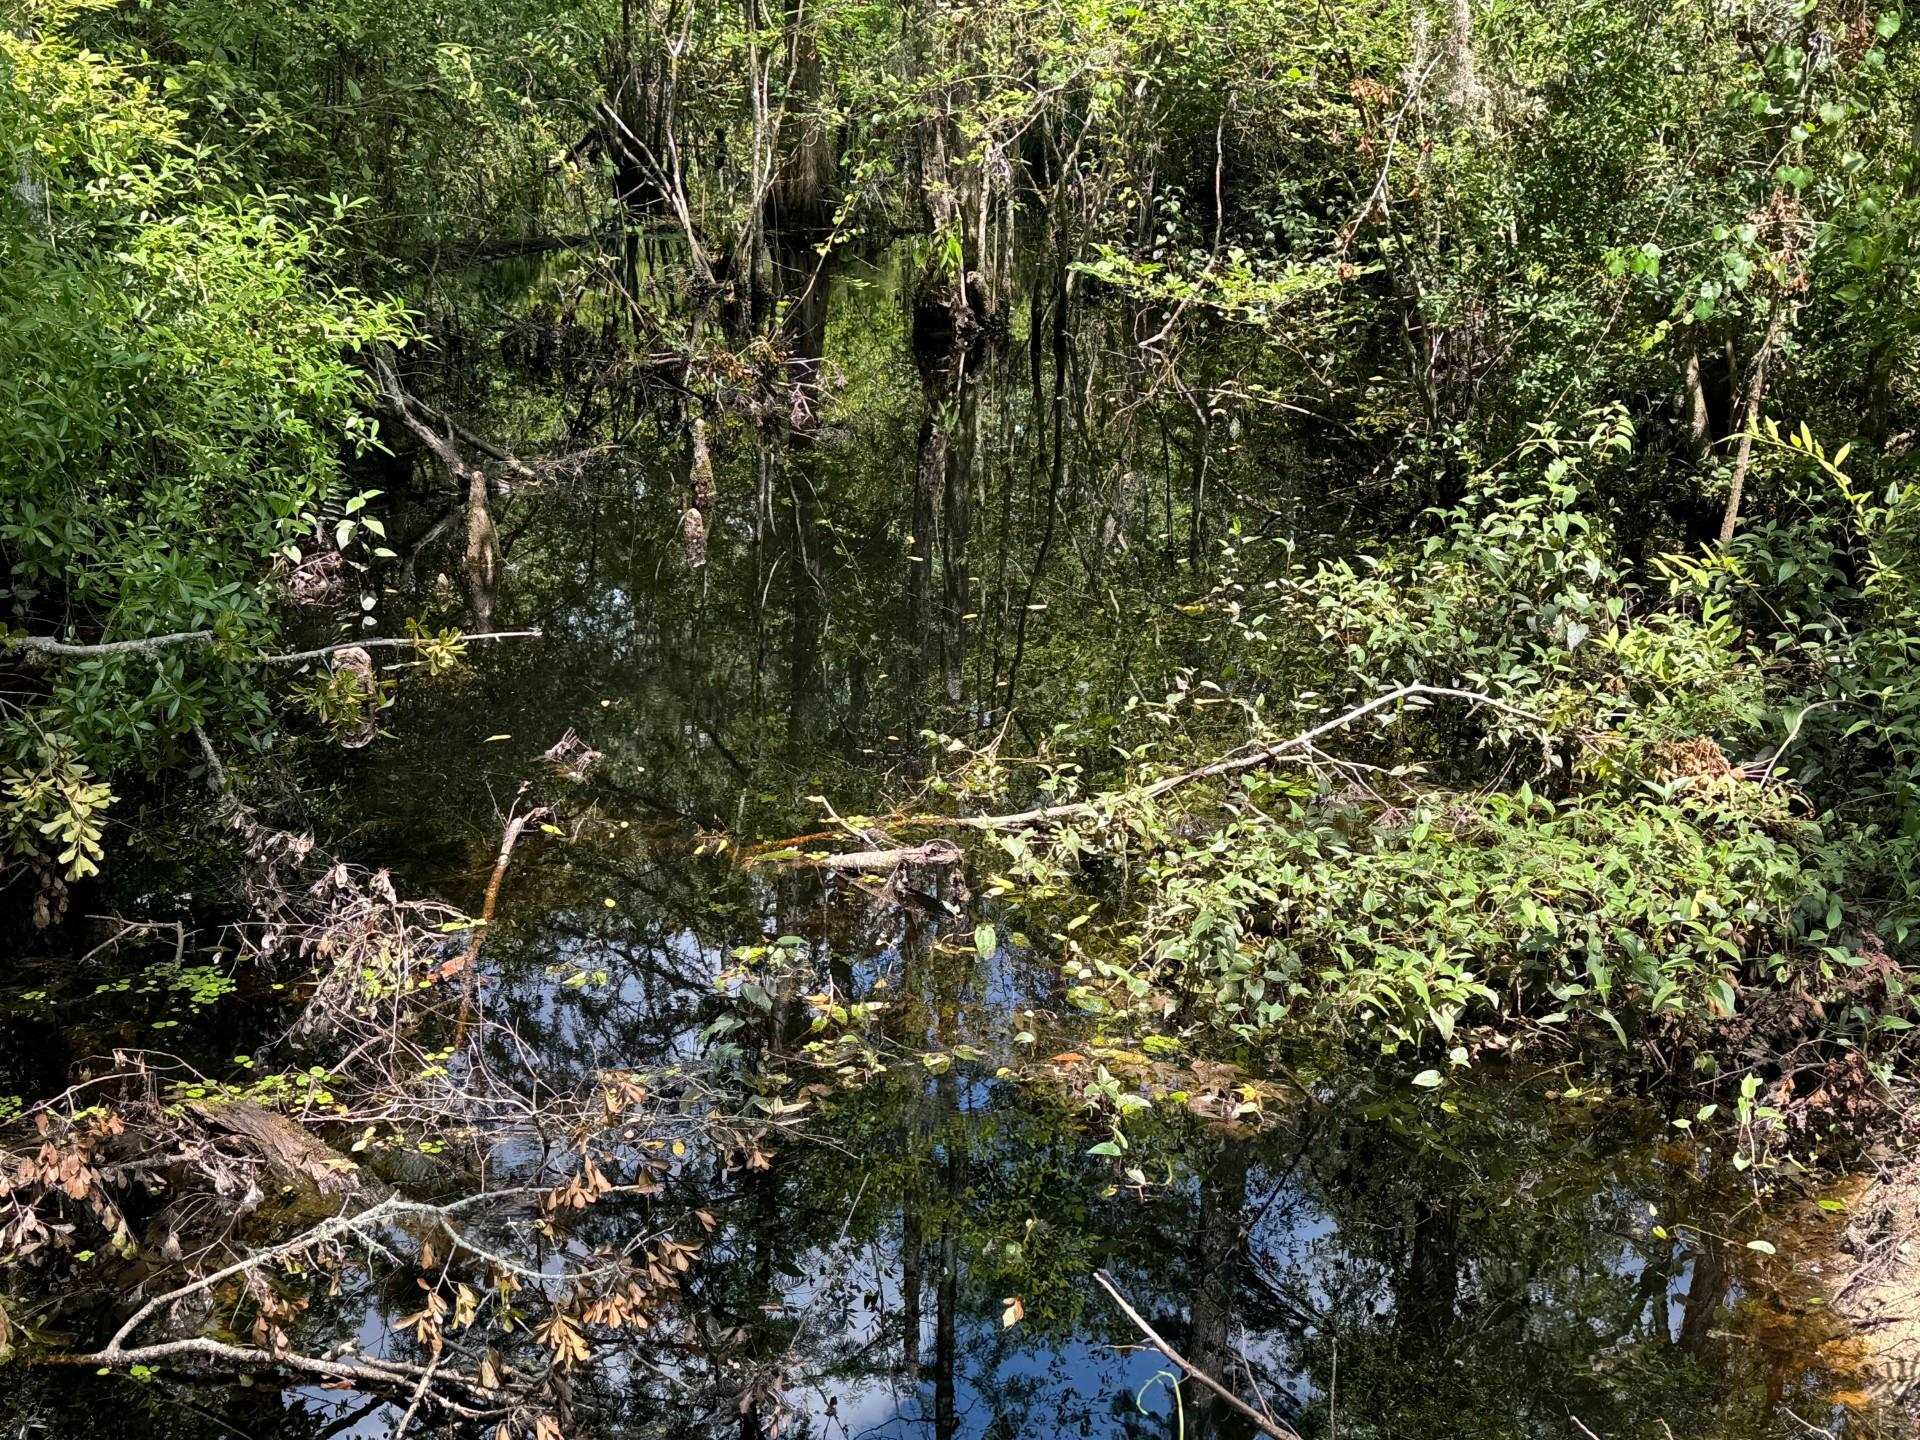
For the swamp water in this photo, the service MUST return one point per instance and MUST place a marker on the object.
(914, 1255)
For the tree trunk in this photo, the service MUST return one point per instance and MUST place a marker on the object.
(1756, 390)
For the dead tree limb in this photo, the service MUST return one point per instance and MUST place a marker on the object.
(1266, 1424)
(1257, 759)
(383, 1376)
(934, 852)
(1300, 746)
(403, 642)
(46, 645)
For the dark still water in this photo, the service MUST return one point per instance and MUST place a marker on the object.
(912, 1253)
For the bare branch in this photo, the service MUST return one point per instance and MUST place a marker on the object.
(392, 643)
(1234, 765)
(47, 646)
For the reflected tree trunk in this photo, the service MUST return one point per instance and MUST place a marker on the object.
(806, 587)
(957, 516)
(946, 1324)
(1706, 1294)
(1430, 1287)
(483, 551)
(1216, 1265)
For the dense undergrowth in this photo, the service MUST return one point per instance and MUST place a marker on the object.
(1651, 811)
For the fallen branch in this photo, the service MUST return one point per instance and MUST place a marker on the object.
(934, 852)
(395, 643)
(1300, 746)
(1266, 1424)
(46, 645)
(117, 1354)
(380, 1376)
(1234, 765)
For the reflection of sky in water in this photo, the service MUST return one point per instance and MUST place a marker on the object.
(1006, 1381)
(847, 1377)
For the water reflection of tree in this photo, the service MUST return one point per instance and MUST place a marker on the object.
(892, 530)
(1487, 1273)
(1502, 1250)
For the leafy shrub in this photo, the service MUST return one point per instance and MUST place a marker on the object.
(177, 397)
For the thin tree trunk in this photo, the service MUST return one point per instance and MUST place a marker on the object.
(1756, 391)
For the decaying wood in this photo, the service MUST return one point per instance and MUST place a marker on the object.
(1266, 1424)
(291, 1155)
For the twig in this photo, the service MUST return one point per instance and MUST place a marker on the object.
(419, 1393)
(1793, 733)
(1264, 1424)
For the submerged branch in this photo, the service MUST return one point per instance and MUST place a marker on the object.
(508, 839)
